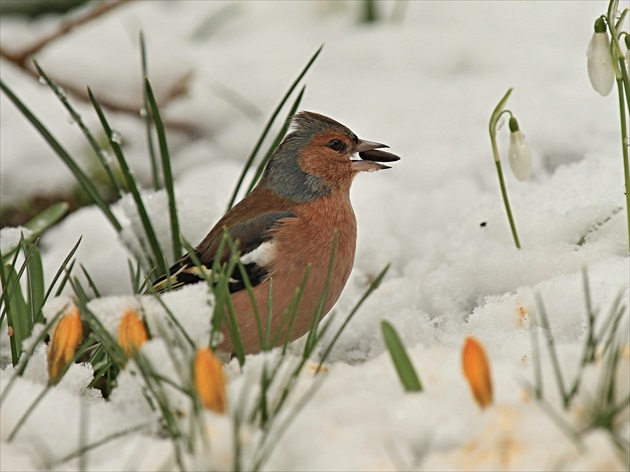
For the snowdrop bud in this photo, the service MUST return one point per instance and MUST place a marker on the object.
(599, 60)
(63, 343)
(519, 154)
(131, 333)
(210, 380)
(477, 371)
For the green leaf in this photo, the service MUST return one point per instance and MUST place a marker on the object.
(147, 115)
(496, 113)
(62, 269)
(39, 224)
(166, 168)
(35, 285)
(76, 118)
(373, 286)
(312, 338)
(406, 372)
(276, 141)
(70, 162)
(47, 218)
(18, 313)
(158, 256)
(268, 126)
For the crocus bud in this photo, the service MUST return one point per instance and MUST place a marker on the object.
(210, 380)
(519, 154)
(63, 343)
(599, 60)
(477, 371)
(131, 333)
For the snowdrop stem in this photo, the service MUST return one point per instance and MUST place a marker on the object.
(496, 114)
(508, 209)
(623, 90)
(616, 51)
(624, 148)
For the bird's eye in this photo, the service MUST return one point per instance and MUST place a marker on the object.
(336, 145)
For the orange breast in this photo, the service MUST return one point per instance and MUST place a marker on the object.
(306, 240)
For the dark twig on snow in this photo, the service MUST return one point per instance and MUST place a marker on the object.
(22, 59)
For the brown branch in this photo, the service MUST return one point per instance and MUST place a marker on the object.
(21, 60)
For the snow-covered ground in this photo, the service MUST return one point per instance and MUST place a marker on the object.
(425, 85)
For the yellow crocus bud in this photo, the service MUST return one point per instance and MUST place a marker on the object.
(477, 371)
(63, 343)
(210, 380)
(131, 332)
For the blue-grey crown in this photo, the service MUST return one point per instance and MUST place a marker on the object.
(283, 174)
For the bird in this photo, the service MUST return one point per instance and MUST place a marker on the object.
(284, 231)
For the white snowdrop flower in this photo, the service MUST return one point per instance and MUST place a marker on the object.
(519, 154)
(599, 60)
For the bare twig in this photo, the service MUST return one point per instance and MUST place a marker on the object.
(22, 60)
(101, 8)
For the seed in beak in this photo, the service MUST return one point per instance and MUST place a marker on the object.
(378, 156)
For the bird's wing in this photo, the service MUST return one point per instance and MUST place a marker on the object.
(254, 241)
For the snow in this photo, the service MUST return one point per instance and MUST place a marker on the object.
(426, 86)
(10, 238)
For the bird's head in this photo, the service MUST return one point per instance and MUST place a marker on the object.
(317, 158)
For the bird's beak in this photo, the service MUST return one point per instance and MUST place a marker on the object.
(370, 157)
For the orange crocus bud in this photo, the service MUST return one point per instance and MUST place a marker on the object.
(477, 371)
(210, 380)
(131, 332)
(63, 343)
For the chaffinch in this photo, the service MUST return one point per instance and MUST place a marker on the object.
(287, 223)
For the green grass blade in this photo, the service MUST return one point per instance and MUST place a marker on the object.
(81, 177)
(498, 110)
(109, 343)
(101, 442)
(158, 256)
(290, 313)
(406, 372)
(40, 223)
(30, 409)
(369, 12)
(268, 126)
(555, 363)
(76, 118)
(47, 218)
(35, 284)
(276, 141)
(212, 280)
(147, 116)
(18, 313)
(66, 277)
(26, 357)
(62, 268)
(538, 378)
(312, 338)
(174, 320)
(90, 281)
(232, 322)
(267, 446)
(166, 168)
(7, 288)
(250, 294)
(266, 345)
(373, 286)
(135, 275)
